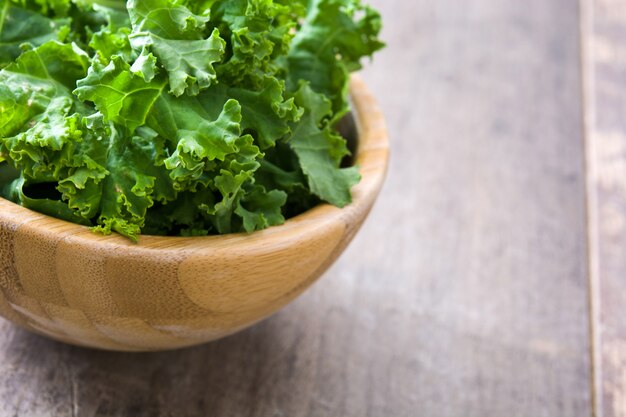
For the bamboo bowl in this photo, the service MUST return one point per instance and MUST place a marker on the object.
(61, 280)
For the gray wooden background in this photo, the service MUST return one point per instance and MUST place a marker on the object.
(490, 280)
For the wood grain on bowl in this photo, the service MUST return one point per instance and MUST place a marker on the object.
(63, 281)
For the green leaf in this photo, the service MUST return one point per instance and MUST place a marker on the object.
(44, 150)
(56, 61)
(37, 126)
(211, 140)
(102, 25)
(177, 37)
(203, 142)
(281, 170)
(107, 43)
(21, 26)
(249, 26)
(145, 66)
(118, 179)
(134, 184)
(210, 155)
(119, 94)
(260, 209)
(320, 150)
(330, 45)
(266, 112)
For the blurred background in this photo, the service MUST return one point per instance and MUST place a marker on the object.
(488, 281)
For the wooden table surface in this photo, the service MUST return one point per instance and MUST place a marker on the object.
(490, 280)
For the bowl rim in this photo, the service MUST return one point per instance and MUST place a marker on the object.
(372, 158)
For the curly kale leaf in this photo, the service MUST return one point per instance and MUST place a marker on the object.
(177, 38)
(330, 45)
(320, 150)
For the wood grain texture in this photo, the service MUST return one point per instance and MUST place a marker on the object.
(63, 281)
(606, 64)
(465, 294)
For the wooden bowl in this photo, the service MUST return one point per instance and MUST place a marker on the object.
(61, 280)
